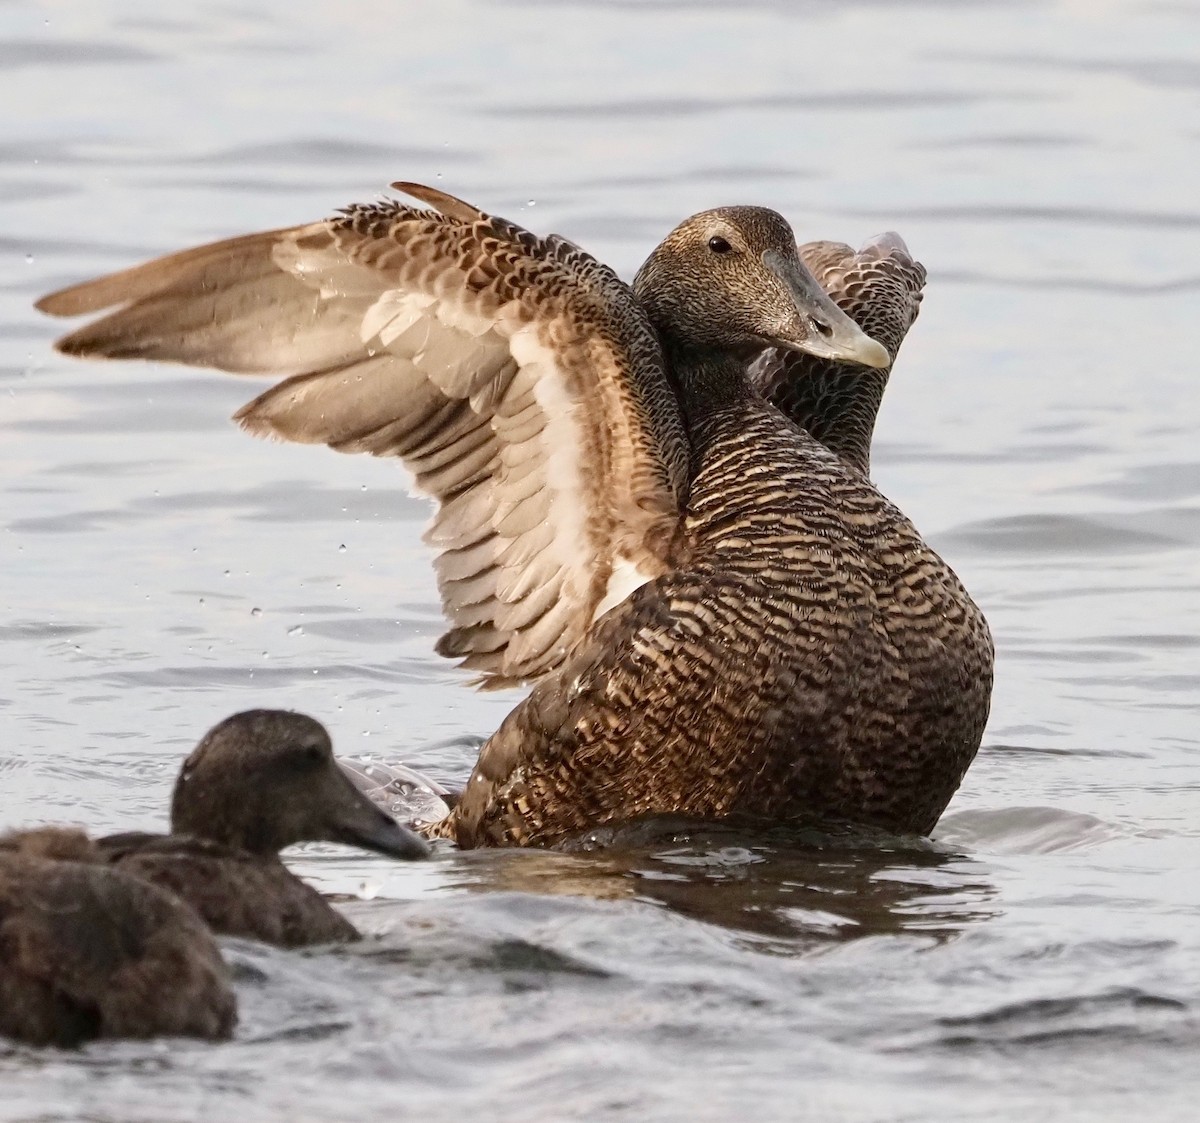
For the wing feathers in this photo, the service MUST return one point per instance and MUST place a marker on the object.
(154, 277)
(514, 375)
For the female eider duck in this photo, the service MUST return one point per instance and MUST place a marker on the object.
(722, 617)
(257, 782)
(879, 287)
(87, 951)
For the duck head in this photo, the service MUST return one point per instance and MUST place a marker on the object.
(265, 779)
(731, 280)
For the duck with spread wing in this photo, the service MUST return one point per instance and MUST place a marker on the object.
(721, 616)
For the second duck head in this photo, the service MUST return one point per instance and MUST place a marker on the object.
(731, 281)
(264, 779)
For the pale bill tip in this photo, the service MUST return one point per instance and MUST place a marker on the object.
(871, 353)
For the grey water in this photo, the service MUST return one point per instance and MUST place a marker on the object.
(1039, 958)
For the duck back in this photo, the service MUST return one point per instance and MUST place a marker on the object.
(809, 657)
(88, 952)
(254, 896)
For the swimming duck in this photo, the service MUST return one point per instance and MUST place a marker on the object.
(87, 951)
(721, 616)
(879, 287)
(257, 782)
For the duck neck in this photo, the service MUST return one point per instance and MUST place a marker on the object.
(248, 832)
(708, 382)
(834, 403)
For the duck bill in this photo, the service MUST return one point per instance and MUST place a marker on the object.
(356, 821)
(819, 327)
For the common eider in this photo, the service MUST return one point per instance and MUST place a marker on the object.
(257, 782)
(721, 616)
(879, 286)
(87, 951)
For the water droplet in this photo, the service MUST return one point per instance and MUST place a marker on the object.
(226, 573)
(368, 891)
(29, 259)
(531, 203)
(201, 602)
(298, 630)
(256, 612)
(342, 547)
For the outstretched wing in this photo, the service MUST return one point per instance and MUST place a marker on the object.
(879, 286)
(516, 376)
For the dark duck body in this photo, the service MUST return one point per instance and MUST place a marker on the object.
(259, 781)
(807, 624)
(87, 951)
(721, 615)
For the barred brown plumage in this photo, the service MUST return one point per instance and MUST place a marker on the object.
(879, 287)
(720, 614)
(813, 658)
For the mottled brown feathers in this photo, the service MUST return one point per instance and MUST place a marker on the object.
(111, 938)
(880, 287)
(814, 659)
(55, 844)
(807, 624)
(87, 952)
(516, 376)
(723, 616)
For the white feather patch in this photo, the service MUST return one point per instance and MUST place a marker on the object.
(563, 470)
(623, 582)
(393, 314)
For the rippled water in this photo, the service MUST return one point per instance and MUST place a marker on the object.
(1041, 957)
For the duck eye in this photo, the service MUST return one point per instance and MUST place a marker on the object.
(718, 244)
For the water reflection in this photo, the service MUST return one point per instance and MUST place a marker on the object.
(795, 890)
